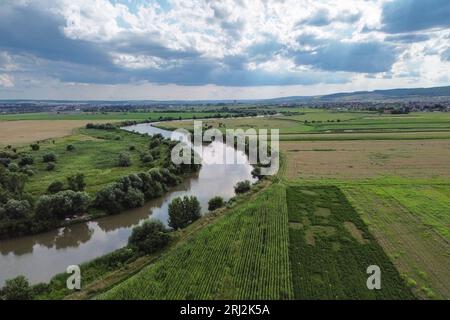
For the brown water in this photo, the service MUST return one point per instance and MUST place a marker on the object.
(39, 257)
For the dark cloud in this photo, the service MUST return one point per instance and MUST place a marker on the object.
(408, 38)
(414, 15)
(319, 18)
(322, 18)
(32, 30)
(370, 57)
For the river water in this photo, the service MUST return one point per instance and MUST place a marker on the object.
(40, 257)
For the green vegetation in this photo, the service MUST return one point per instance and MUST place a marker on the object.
(331, 249)
(183, 211)
(149, 237)
(242, 255)
(215, 203)
(242, 187)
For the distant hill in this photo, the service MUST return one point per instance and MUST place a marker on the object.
(392, 95)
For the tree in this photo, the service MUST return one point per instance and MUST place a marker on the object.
(146, 157)
(151, 236)
(55, 187)
(70, 147)
(124, 160)
(215, 203)
(61, 205)
(183, 211)
(35, 146)
(17, 289)
(49, 157)
(17, 209)
(51, 166)
(242, 187)
(76, 182)
(26, 159)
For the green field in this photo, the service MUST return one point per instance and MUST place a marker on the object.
(411, 222)
(95, 155)
(155, 116)
(244, 255)
(331, 249)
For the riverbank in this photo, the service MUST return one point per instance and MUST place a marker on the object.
(108, 271)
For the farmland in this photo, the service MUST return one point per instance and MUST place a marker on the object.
(331, 248)
(415, 239)
(244, 255)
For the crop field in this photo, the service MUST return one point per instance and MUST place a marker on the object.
(331, 248)
(101, 115)
(244, 255)
(20, 132)
(411, 223)
(95, 155)
(356, 160)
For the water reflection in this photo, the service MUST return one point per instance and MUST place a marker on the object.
(39, 257)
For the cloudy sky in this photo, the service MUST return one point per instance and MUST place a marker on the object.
(219, 49)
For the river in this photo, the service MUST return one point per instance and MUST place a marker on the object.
(40, 257)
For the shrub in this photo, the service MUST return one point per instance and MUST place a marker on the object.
(26, 159)
(148, 238)
(124, 160)
(183, 211)
(146, 157)
(51, 166)
(256, 173)
(17, 209)
(242, 187)
(55, 187)
(5, 161)
(17, 289)
(76, 182)
(70, 147)
(61, 205)
(49, 157)
(132, 148)
(35, 146)
(215, 203)
(13, 167)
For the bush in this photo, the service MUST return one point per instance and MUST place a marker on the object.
(76, 182)
(124, 160)
(146, 157)
(17, 209)
(70, 147)
(183, 211)
(148, 238)
(61, 205)
(132, 148)
(215, 203)
(17, 289)
(55, 187)
(5, 161)
(13, 167)
(26, 159)
(35, 146)
(242, 187)
(51, 166)
(49, 157)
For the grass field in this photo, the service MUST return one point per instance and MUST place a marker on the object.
(331, 248)
(416, 238)
(101, 115)
(244, 255)
(95, 155)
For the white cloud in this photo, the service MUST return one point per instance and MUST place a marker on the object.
(6, 81)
